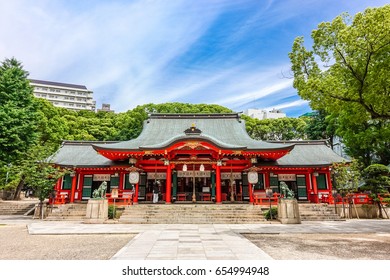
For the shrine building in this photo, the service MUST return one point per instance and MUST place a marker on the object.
(195, 158)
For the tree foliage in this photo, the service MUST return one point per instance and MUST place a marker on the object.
(346, 177)
(18, 118)
(377, 180)
(351, 85)
(276, 129)
(320, 126)
(39, 174)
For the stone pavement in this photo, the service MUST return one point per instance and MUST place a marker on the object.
(197, 241)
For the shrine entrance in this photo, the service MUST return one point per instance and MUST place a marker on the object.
(194, 186)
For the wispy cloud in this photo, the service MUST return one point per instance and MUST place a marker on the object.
(135, 52)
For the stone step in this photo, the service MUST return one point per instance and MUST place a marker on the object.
(318, 212)
(192, 214)
(70, 212)
(15, 208)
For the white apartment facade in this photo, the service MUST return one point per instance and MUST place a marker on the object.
(264, 114)
(69, 96)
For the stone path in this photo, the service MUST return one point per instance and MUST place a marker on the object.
(211, 242)
(200, 241)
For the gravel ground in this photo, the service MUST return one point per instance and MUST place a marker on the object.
(367, 246)
(17, 244)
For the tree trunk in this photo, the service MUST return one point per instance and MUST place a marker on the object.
(380, 210)
(19, 188)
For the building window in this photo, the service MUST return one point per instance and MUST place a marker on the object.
(67, 182)
(321, 182)
(274, 183)
(260, 183)
(128, 186)
(302, 189)
(114, 182)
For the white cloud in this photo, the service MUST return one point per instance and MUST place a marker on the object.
(130, 52)
(286, 105)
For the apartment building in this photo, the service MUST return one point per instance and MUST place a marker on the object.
(69, 96)
(264, 114)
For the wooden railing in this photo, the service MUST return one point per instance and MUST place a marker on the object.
(259, 198)
(124, 198)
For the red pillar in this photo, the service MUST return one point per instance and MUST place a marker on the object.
(218, 190)
(315, 189)
(168, 184)
(80, 186)
(266, 180)
(74, 183)
(121, 175)
(58, 185)
(329, 181)
(308, 185)
(250, 193)
(135, 196)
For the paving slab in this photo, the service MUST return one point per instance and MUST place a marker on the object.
(192, 241)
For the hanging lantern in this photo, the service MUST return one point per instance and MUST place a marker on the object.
(184, 167)
(134, 177)
(201, 168)
(253, 177)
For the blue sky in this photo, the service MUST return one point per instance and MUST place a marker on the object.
(228, 52)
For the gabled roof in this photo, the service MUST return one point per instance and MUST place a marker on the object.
(80, 154)
(308, 153)
(304, 154)
(226, 131)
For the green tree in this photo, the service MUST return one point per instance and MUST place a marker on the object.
(276, 129)
(52, 126)
(319, 126)
(346, 177)
(376, 177)
(18, 116)
(351, 85)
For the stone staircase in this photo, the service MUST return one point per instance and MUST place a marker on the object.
(16, 207)
(192, 214)
(318, 212)
(69, 212)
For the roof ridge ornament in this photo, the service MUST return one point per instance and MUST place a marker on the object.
(193, 130)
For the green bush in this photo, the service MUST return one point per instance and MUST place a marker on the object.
(111, 211)
(274, 211)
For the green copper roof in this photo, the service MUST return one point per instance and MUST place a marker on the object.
(308, 153)
(304, 154)
(226, 131)
(80, 154)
